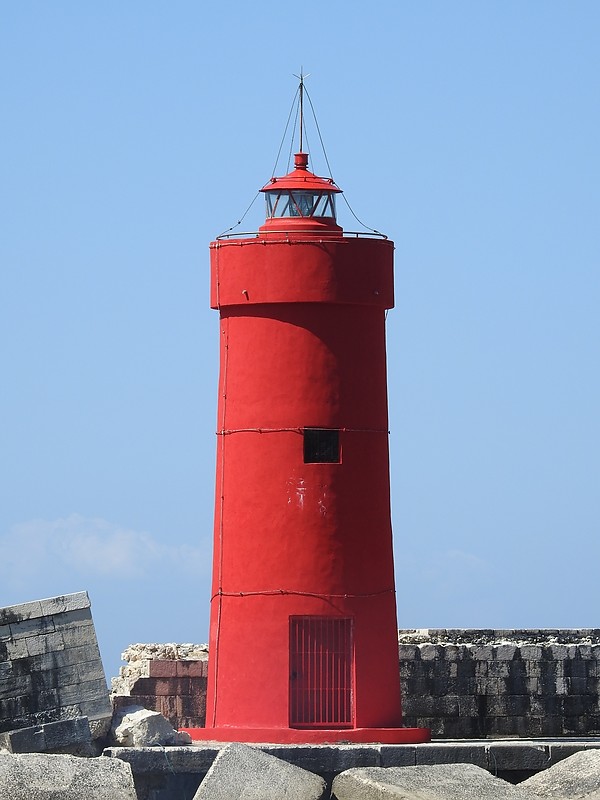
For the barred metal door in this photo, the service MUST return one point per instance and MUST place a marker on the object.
(321, 657)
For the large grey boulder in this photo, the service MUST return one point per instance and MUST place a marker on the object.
(36, 776)
(245, 772)
(135, 726)
(436, 782)
(573, 777)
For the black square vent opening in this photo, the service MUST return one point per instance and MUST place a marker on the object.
(321, 446)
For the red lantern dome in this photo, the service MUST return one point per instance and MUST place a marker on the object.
(300, 201)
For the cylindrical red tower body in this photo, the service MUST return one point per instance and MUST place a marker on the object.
(303, 633)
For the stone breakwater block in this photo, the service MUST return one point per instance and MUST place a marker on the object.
(449, 753)
(574, 777)
(51, 736)
(328, 759)
(241, 771)
(53, 777)
(519, 755)
(437, 782)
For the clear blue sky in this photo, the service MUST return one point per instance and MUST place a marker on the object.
(133, 133)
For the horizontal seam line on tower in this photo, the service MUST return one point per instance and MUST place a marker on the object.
(271, 592)
(228, 431)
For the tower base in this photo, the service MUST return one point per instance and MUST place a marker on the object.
(312, 735)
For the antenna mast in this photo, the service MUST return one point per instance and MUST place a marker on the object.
(301, 77)
(301, 106)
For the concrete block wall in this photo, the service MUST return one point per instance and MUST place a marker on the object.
(462, 684)
(495, 683)
(459, 683)
(50, 666)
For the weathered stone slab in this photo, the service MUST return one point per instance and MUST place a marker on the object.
(23, 740)
(517, 755)
(326, 759)
(19, 613)
(66, 733)
(437, 782)
(48, 737)
(404, 755)
(452, 753)
(563, 748)
(156, 761)
(242, 771)
(575, 777)
(64, 603)
(56, 777)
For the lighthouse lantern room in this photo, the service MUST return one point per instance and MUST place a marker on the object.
(303, 631)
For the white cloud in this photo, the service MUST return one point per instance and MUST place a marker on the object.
(464, 561)
(90, 547)
(453, 570)
(456, 563)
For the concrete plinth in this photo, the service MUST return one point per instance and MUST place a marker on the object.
(312, 736)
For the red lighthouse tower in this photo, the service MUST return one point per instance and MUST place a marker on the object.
(303, 633)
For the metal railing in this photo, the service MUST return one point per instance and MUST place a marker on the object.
(289, 233)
